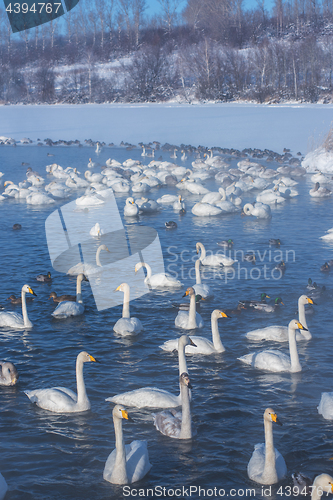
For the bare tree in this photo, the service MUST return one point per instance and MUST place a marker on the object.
(169, 12)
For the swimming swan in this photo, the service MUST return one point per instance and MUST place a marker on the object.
(325, 407)
(190, 319)
(276, 361)
(213, 260)
(280, 333)
(129, 463)
(178, 424)
(267, 465)
(259, 210)
(199, 288)
(152, 397)
(203, 345)
(127, 325)
(69, 308)
(322, 483)
(160, 280)
(131, 209)
(14, 320)
(61, 399)
(9, 374)
(82, 267)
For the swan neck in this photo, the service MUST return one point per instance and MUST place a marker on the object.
(197, 272)
(192, 321)
(79, 289)
(147, 266)
(26, 320)
(203, 251)
(216, 334)
(269, 468)
(295, 365)
(98, 260)
(126, 309)
(182, 358)
(119, 473)
(302, 319)
(82, 398)
(186, 427)
(223, 193)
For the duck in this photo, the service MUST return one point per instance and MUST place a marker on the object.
(185, 306)
(152, 397)
(226, 243)
(9, 374)
(281, 266)
(250, 257)
(259, 210)
(17, 226)
(14, 320)
(252, 303)
(177, 425)
(268, 308)
(267, 465)
(237, 310)
(18, 300)
(127, 325)
(316, 488)
(131, 209)
(280, 333)
(68, 308)
(277, 361)
(274, 242)
(46, 278)
(160, 280)
(214, 259)
(202, 344)
(191, 319)
(129, 463)
(62, 298)
(61, 399)
(325, 268)
(171, 224)
(199, 288)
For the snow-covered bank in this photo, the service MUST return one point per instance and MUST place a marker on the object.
(297, 127)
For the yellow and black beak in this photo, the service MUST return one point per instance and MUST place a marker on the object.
(117, 289)
(310, 301)
(126, 416)
(32, 292)
(186, 293)
(93, 359)
(275, 419)
(301, 327)
(224, 315)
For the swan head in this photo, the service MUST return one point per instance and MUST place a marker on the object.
(189, 291)
(28, 289)
(271, 416)
(121, 413)
(122, 287)
(53, 295)
(198, 246)
(324, 482)
(296, 325)
(87, 358)
(130, 201)
(304, 299)
(9, 372)
(104, 247)
(219, 314)
(184, 379)
(138, 266)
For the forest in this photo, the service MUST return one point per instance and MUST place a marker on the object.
(212, 51)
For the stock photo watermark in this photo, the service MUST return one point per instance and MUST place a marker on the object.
(214, 492)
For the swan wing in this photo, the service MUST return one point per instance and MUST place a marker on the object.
(137, 460)
(168, 423)
(128, 326)
(57, 399)
(256, 464)
(202, 290)
(270, 360)
(274, 332)
(67, 308)
(147, 397)
(11, 319)
(182, 320)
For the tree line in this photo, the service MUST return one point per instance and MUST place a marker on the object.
(214, 50)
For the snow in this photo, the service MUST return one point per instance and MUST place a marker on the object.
(319, 159)
(299, 127)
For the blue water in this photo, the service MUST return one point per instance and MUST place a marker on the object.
(45, 455)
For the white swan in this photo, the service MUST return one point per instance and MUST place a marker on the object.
(226, 205)
(82, 267)
(179, 204)
(9, 374)
(127, 325)
(191, 319)
(259, 210)
(129, 463)
(3, 487)
(205, 210)
(152, 397)
(131, 209)
(199, 288)
(96, 230)
(280, 333)
(177, 425)
(214, 259)
(61, 399)
(276, 361)
(319, 192)
(160, 280)
(69, 308)
(267, 465)
(202, 345)
(14, 320)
